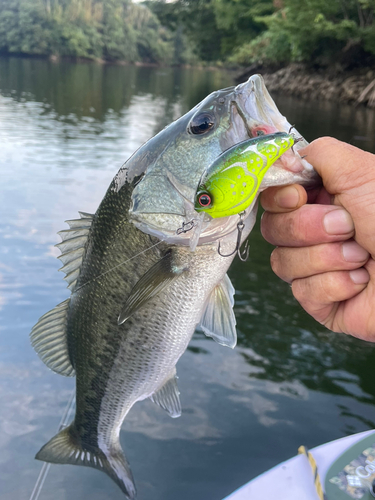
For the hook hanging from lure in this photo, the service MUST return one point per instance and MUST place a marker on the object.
(231, 182)
(242, 256)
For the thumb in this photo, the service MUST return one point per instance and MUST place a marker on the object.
(348, 173)
(341, 165)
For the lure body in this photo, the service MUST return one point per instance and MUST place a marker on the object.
(231, 182)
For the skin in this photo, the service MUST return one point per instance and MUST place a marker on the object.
(326, 240)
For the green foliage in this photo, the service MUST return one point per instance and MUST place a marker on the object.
(101, 29)
(239, 19)
(269, 47)
(194, 26)
(314, 31)
(321, 32)
(212, 28)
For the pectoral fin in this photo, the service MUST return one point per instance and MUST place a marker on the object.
(168, 396)
(218, 320)
(157, 279)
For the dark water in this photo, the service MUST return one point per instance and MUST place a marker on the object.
(65, 129)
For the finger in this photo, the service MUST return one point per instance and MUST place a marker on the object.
(319, 196)
(348, 173)
(320, 295)
(341, 165)
(294, 263)
(309, 225)
(357, 315)
(283, 199)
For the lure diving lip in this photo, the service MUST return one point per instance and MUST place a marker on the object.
(231, 182)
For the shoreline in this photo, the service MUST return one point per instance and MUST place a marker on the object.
(108, 62)
(355, 87)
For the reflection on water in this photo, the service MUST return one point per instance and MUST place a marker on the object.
(65, 129)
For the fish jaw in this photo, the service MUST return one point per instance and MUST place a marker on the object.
(263, 116)
(260, 109)
(163, 201)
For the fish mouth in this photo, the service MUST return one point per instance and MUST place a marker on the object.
(251, 109)
(259, 112)
(258, 106)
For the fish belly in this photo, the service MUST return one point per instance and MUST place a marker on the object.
(156, 338)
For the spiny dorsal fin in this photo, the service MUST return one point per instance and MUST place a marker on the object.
(73, 246)
(168, 396)
(153, 282)
(218, 320)
(48, 337)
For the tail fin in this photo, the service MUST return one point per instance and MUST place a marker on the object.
(65, 448)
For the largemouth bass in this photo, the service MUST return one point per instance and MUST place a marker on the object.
(144, 271)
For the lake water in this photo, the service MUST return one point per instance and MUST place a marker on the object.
(65, 129)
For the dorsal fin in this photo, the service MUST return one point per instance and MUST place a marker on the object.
(48, 337)
(73, 246)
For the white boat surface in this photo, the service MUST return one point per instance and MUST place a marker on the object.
(293, 479)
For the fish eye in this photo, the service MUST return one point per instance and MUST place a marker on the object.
(204, 200)
(202, 123)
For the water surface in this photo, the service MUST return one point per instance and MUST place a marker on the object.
(65, 129)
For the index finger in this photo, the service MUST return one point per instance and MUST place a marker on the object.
(283, 199)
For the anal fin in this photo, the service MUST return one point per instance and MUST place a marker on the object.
(168, 396)
(218, 320)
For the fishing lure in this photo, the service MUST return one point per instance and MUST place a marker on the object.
(231, 182)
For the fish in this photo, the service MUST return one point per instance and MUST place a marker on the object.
(230, 184)
(144, 272)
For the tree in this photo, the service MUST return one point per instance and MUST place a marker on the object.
(104, 29)
(315, 32)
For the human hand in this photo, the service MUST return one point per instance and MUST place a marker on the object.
(326, 248)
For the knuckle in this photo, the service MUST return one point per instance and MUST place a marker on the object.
(282, 263)
(295, 227)
(267, 199)
(269, 227)
(326, 141)
(264, 223)
(275, 261)
(325, 256)
(328, 286)
(300, 290)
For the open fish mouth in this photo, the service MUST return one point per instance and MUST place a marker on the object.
(257, 108)
(163, 202)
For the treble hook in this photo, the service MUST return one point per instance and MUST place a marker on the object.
(296, 139)
(245, 254)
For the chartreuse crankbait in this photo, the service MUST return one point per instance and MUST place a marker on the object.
(231, 182)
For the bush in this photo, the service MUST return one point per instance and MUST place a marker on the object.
(313, 31)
